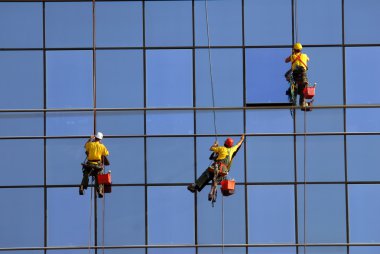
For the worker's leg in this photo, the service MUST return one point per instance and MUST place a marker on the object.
(202, 181)
(86, 172)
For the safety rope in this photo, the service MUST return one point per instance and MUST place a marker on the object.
(295, 7)
(90, 224)
(104, 212)
(305, 180)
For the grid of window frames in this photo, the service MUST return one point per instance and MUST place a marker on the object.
(139, 71)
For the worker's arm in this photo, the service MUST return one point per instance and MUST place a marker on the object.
(215, 145)
(241, 141)
(288, 59)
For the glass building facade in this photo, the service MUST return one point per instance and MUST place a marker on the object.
(145, 74)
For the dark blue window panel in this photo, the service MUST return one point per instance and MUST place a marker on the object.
(323, 250)
(203, 154)
(66, 251)
(68, 24)
(69, 79)
(69, 123)
(65, 205)
(270, 159)
(124, 251)
(325, 213)
(269, 121)
(22, 217)
(363, 119)
(170, 122)
(210, 218)
(272, 250)
(22, 79)
(171, 250)
(362, 156)
(364, 217)
(168, 23)
(119, 24)
(227, 75)
(21, 124)
(174, 207)
(265, 81)
(320, 120)
(127, 159)
(119, 78)
(364, 249)
(226, 250)
(20, 25)
(361, 19)
(170, 160)
(226, 122)
(28, 252)
(124, 217)
(362, 67)
(268, 22)
(324, 158)
(120, 122)
(320, 22)
(271, 217)
(29, 169)
(63, 160)
(224, 23)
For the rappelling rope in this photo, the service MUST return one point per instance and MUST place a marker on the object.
(304, 184)
(89, 230)
(104, 212)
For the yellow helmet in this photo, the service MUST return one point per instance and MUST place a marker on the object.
(297, 46)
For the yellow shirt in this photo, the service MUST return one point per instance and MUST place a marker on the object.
(95, 151)
(296, 61)
(223, 152)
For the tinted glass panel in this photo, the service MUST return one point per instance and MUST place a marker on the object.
(320, 120)
(120, 123)
(266, 250)
(69, 123)
(225, 121)
(364, 250)
(268, 121)
(220, 250)
(171, 250)
(363, 119)
(323, 250)
(21, 124)
(170, 122)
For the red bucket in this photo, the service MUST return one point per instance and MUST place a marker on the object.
(309, 92)
(228, 187)
(104, 179)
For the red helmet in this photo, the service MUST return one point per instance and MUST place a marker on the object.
(229, 142)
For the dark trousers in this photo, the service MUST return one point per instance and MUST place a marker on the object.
(91, 170)
(209, 173)
(300, 78)
(204, 179)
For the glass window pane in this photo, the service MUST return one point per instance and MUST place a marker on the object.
(227, 75)
(69, 123)
(22, 79)
(22, 213)
(119, 24)
(66, 251)
(169, 78)
(224, 22)
(271, 214)
(170, 122)
(68, 24)
(120, 122)
(226, 250)
(362, 155)
(175, 207)
(69, 79)
(28, 171)
(171, 250)
(168, 23)
(363, 119)
(21, 124)
(272, 250)
(264, 29)
(359, 74)
(325, 213)
(226, 122)
(270, 163)
(364, 249)
(20, 25)
(359, 15)
(269, 121)
(118, 73)
(323, 250)
(320, 120)
(124, 217)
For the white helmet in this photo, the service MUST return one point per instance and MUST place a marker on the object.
(99, 135)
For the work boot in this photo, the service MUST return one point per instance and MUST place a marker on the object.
(192, 188)
(81, 190)
(209, 197)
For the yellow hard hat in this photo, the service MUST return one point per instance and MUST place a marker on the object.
(297, 46)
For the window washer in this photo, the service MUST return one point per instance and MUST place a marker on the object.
(96, 159)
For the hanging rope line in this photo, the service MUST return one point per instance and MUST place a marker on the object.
(222, 224)
(295, 8)
(104, 213)
(304, 183)
(90, 224)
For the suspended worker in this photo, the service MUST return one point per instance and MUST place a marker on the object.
(96, 160)
(221, 165)
(299, 69)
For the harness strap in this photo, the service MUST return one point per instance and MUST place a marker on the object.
(298, 58)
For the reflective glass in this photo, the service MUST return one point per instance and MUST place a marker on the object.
(362, 155)
(272, 250)
(267, 162)
(21, 79)
(69, 79)
(320, 120)
(169, 78)
(359, 75)
(363, 119)
(171, 250)
(263, 29)
(323, 250)
(325, 213)
(119, 24)
(224, 22)
(20, 25)
(364, 217)
(324, 158)
(360, 21)
(226, 250)
(69, 123)
(265, 70)
(22, 217)
(168, 23)
(170, 122)
(68, 24)
(120, 122)
(269, 121)
(119, 78)
(30, 170)
(170, 160)
(226, 122)
(65, 205)
(227, 75)
(21, 124)
(127, 159)
(124, 251)
(66, 251)
(174, 206)
(211, 220)
(124, 216)
(271, 217)
(320, 22)
(364, 249)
